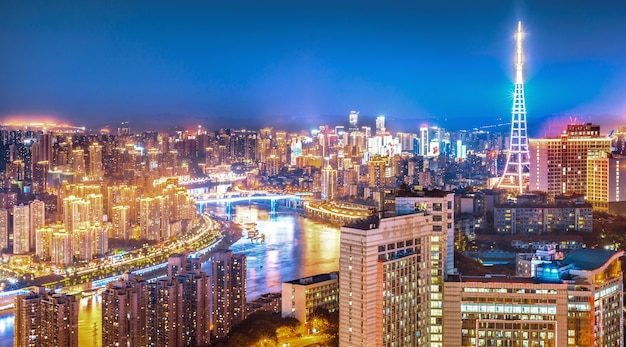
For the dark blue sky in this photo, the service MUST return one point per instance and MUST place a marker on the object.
(297, 64)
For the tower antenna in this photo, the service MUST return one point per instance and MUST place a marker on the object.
(516, 171)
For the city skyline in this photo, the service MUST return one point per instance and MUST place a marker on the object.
(298, 66)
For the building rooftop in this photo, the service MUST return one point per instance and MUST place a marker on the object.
(587, 259)
(368, 223)
(433, 193)
(491, 278)
(315, 279)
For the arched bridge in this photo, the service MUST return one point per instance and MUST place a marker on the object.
(201, 202)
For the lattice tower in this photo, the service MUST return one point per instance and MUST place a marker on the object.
(516, 171)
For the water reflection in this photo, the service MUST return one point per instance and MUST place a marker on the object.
(6, 329)
(294, 247)
(90, 321)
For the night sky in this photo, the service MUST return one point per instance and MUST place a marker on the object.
(298, 64)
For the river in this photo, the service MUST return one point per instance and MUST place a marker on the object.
(294, 247)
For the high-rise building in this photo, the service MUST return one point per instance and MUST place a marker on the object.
(96, 170)
(606, 183)
(228, 278)
(4, 229)
(424, 141)
(165, 313)
(377, 173)
(440, 205)
(75, 213)
(380, 125)
(21, 229)
(173, 311)
(391, 280)
(354, 121)
(576, 301)
(120, 222)
(40, 176)
(125, 312)
(329, 183)
(243, 146)
(196, 308)
(515, 175)
(46, 320)
(45, 147)
(150, 217)
(78, 161)
(559, 165)
(37, 219)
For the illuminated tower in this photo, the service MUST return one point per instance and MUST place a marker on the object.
(515, 175)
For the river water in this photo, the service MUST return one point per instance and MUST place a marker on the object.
(294, 247)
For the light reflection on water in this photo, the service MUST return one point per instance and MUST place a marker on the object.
(6, 329)
(294, 247)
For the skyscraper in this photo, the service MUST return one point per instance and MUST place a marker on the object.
(380, 125)
(4, 228)
(606, 187)
(424, 141)
(125, 312)
(329, 183)
(37, 219)
(21, 229)
(95, 161)
(172, 311)
(228, 278)
(559, 165)
(391, 278)
(354, 121)
(515, 175)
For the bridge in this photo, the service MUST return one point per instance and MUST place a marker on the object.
(203, 202)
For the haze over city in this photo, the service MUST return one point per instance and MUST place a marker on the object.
(300, 64)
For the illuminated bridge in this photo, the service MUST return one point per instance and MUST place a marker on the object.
(202, 203)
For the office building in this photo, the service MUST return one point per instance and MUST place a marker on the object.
(440, 205)
(543, 218)
(576, 301)
(559, 165)
(606, 183)
(303, 296)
